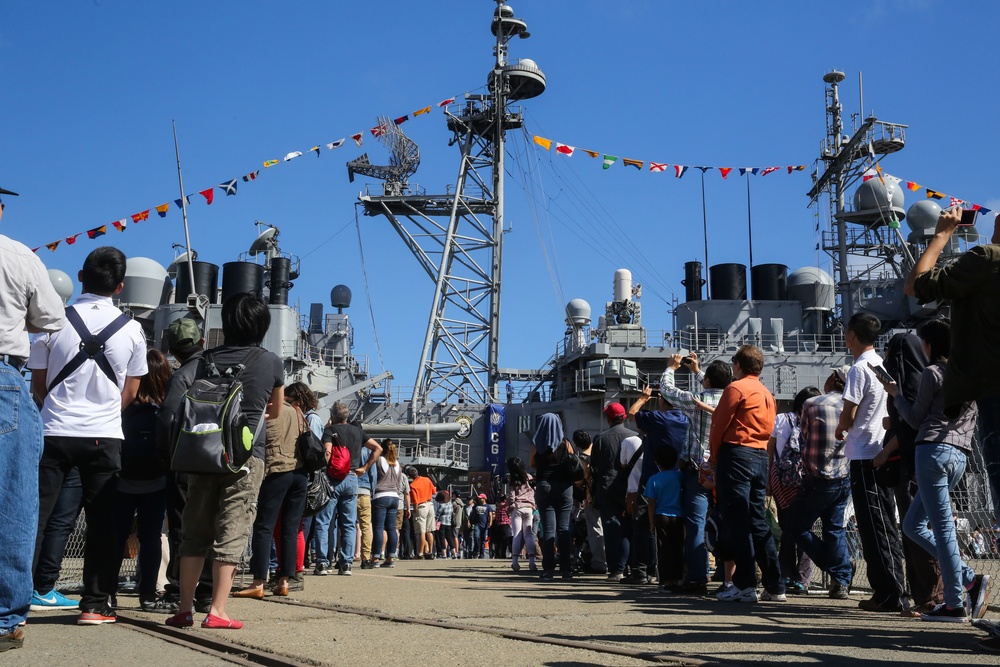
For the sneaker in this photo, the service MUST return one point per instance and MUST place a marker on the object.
(388, 563)
(13, 639)
(838, 591)
(978, 594)
(733, 594)
(158, 604)
(637, 579)
(344, 570)
(546, 576)
(726, 585)
(616, 576)
(321, 570)
(883, 607)
(97, 617)
(367, 565)
(943, 612)
(515, 566)
(796, 588)
(768, 596)
(52, 600)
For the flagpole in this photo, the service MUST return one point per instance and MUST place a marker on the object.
(749, 222)
(704, 222)
(184, 214)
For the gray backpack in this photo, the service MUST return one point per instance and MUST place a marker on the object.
(213, 431)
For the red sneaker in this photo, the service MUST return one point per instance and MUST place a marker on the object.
(183, 619)
(215, 623)
(97, 617)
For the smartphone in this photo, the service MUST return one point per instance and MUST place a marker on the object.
(882, 375)
(968, 217)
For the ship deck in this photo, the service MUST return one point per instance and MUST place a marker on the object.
(475, 612)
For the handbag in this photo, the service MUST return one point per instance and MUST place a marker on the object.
(619, 485)
(572, 463)
(318, 493)
(308, 449)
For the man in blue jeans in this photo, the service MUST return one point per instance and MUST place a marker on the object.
(27, 300)
(695, 498)
(826, 487)
(343, 505)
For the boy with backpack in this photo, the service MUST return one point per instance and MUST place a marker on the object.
(221, 503)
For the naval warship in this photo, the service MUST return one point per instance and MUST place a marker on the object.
(465, 414)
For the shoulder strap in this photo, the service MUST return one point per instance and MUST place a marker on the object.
(91, 346)
(635, 458)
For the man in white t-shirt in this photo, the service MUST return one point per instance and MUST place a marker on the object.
(85, 374)
(875, 506)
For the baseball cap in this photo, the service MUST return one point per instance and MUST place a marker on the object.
(183, 335)
(483, 496)
(614, 410)
(8, 192)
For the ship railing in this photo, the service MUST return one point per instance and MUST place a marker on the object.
(415, 451)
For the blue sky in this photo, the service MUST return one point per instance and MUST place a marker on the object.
(90, 90)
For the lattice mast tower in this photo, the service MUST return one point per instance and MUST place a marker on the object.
(871, 229)
(464, 255)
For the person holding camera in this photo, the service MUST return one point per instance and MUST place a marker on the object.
(694, 496)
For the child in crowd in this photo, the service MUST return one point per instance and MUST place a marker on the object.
(663, 498)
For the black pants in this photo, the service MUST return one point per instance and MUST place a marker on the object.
(62, 521)
(176, 500)
(669, 549)
(149, 508)
(98, 460)
(875, 510)
(642, 545)
(281, 493)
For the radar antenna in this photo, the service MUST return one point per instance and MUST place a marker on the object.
(404, 158)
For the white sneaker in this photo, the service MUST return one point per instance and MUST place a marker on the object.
(773, 597)
(733, 594)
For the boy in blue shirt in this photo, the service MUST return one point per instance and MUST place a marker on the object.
(663, 498)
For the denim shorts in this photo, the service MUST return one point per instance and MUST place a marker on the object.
(220, 512)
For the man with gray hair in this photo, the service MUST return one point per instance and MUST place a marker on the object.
(343, 506)
(28, 303)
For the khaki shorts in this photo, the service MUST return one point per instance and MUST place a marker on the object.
(220, 512)
(424, 520)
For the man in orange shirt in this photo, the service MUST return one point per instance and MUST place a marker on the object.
(422, 496)
(741, 426)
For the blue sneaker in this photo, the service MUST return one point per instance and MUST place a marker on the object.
(52, 600)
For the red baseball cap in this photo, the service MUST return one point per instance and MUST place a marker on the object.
(614, 411)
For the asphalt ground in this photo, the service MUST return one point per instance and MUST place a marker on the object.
(478, 612)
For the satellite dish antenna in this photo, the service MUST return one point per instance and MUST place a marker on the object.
(180, 260)
(264, 241)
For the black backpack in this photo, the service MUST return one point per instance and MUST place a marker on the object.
(139, 457)
(213, 431)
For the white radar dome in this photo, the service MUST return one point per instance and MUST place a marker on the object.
(923, 215)
(578, 313)
(62, 283)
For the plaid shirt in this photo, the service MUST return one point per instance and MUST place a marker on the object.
(696, 446)
(822, 454)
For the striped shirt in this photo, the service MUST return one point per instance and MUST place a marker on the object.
(823, 454)
(696, 447)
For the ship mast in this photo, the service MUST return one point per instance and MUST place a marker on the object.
(464, 256)
(869, 232)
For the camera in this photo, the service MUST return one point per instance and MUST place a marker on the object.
(687, 361)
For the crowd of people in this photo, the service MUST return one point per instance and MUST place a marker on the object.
(679, 478)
